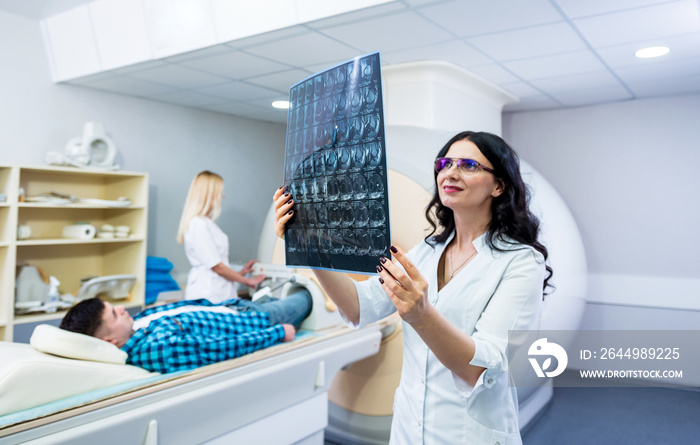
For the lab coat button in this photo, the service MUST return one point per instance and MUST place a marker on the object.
(422, 381)
(497, 443)
(491, 381)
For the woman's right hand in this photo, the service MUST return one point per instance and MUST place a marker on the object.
(283, 210)
(254, 281)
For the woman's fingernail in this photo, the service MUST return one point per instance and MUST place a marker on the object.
(290, 212)
(286, 193)
(394, 249)
(380, 280)
(280, 188)
(379, 269)
(289, 201)
(382, 259)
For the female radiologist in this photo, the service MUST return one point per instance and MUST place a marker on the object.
(206, 245)
(480, 273)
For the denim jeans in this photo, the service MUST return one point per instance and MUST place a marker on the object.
(292, 309)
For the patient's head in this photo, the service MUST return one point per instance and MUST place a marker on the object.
(100, 319)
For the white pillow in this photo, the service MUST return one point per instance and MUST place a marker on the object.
(57, 341)
(29, 378)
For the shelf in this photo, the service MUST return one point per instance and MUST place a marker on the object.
(69, 260)
(39, 317)
(43, 205)
(73, 172)
(55, 242)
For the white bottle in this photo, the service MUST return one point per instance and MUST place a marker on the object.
(53, 296)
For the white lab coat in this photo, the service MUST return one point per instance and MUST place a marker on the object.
(494, 293)
(206, 245)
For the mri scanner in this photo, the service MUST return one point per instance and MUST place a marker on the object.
(333, 380)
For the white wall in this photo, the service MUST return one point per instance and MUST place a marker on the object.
(629, 173)
(170, 143)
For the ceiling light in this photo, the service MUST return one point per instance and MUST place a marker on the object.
(283, 104)
(652, 51)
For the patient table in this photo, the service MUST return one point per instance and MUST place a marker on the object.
(277, 395)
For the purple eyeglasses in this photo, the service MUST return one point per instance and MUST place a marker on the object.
(463, 164)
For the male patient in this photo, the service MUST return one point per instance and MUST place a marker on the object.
(190, 333)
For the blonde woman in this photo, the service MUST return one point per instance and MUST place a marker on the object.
(206, 245)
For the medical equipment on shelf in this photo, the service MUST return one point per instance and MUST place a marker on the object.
(116, 287)
(282, 281)
(37, 292)
(93, 150)
(23, 232)
(56, 198)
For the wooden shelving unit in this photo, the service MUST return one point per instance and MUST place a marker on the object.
(69, 259)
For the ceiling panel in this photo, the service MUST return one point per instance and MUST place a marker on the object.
(177, 76)
(306, 49)
(530, 42)
(494, 73)
(591, 96)
(239, 91)
(455, 51)
(235, 65)
(682, 47)
(199, 54)
(129, 86)
(659, 71)
(282, 80)
(138, 67)
(189, 98)
(573, 82)
(268, 37)
(641, 24)
(521, 89)
(475, 17)
(357, 16)
(390, 33)
(666, 87)
(556, 65)
(538, 102)
(578, 8)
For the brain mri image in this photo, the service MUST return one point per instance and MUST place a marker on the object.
(335, 169)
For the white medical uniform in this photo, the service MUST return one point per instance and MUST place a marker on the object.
(206, 245)
(494, 293)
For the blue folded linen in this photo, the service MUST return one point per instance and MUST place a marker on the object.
(158, 263)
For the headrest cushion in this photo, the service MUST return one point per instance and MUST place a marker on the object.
(53, 340)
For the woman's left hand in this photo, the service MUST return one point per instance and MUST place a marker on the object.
(248, 267)
(407, 288)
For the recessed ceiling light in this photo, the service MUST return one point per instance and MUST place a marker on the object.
(652, 51)
(283, 104)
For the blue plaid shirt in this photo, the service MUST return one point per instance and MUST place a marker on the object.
(191, 339)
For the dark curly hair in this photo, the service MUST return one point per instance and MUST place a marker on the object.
(511, 220)
(85, 317)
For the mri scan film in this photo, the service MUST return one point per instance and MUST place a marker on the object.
(335, 169)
